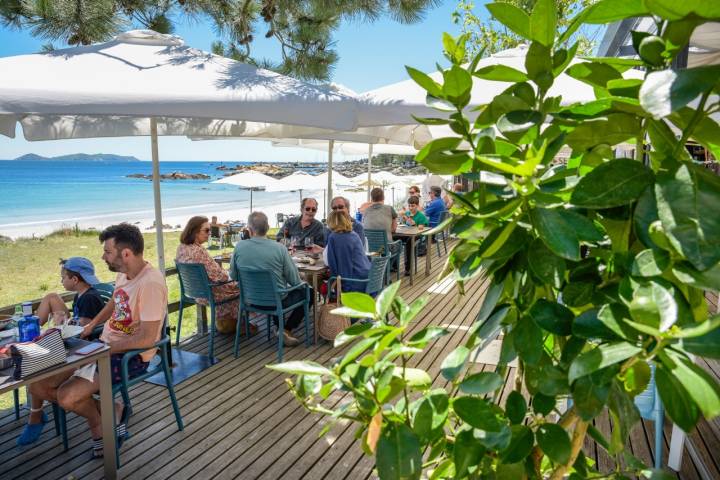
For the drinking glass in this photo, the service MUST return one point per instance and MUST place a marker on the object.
(308, 244)
(294, 240)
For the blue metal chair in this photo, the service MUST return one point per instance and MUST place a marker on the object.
(195, 285)
(259, 293)
(123, 388)
(651, 408)
(376, 277)
(378, 242)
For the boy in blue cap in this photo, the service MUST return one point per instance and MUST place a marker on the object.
(77, 274)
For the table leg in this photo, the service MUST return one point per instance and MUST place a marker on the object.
(107, 412)
(412, 259)
(428, 254)
(315, 316)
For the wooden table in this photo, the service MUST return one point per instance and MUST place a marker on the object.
(412, 233)
(72, 362)
(316, 272)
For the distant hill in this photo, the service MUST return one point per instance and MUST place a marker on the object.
(94, 157)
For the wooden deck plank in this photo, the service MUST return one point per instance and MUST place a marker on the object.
(241, 421)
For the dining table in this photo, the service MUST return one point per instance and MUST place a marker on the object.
(412, 233)
(72, 362)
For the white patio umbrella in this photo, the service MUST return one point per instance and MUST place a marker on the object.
(145, 83)
(248, 180)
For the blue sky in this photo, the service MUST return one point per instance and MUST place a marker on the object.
(371, 55)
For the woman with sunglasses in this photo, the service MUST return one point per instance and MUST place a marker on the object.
(191, 250)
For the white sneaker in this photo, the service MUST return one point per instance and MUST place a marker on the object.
(289, 340)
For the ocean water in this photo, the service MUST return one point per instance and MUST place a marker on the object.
(35, 194)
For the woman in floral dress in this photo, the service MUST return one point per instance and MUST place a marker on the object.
(191, 250)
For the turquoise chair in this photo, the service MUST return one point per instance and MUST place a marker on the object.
(376, 277)
(442, 236)
(195, 284)
(378, 242)
(123, 388)
(259, 294)
(650, 407)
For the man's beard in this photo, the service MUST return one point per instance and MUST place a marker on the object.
(112, 268)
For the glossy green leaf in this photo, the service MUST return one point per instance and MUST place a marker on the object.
(650, 263)
(615, 128)
(590, 396)
(478, 413)
(554, 442)
(683, 200)
(500, 73)
(624, 415)
(398, 454)
(430, 414)
(706, 280)
(654, 305)
(546, 265)
(414, 377)
(587, 325)
(603, 356)
(512, 17)
(584, 228)
(467, 452)
(666, 91)
(556, 233)
(674, 10)
(543, 21)
(427, 335)
(543, 404)
(457, 82)
(617, 182)
(578, 294)
(706, 132)
(521, 443)
(528, 341)
(707, 345)
(636, 378)
(539, 65)
(300, 368)
(552, 316)
(454, 363)
(385, 299)
(360, 302)
(608, 11)
(594, 74)
(481, 383)
(678, 405)
(515, 407)
(700, 385)
(425, 81)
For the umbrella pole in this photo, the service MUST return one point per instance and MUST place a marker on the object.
(370, 149)
(331, 145)
(251, 193)
(156, 195)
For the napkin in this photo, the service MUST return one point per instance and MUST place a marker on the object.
(86, 371)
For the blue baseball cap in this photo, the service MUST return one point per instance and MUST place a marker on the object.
(83, 267)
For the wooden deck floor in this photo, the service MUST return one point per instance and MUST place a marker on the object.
(241, 422)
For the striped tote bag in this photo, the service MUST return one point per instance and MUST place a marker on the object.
(45, 351)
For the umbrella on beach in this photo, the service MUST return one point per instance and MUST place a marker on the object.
(249, 180)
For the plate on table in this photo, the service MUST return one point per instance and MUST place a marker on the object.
(8, 333)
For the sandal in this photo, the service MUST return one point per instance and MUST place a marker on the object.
(121, 434)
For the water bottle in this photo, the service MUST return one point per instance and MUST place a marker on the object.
(28, 328)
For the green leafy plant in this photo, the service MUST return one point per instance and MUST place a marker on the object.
(596, 266)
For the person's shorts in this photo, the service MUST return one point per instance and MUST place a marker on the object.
(136, 367)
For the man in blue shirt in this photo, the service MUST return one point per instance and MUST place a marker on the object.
(343, 204)
(435, 207)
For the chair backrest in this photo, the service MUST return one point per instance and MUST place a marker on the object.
(257, 287)
(377, 240)
(376, 277)
(194, 281)
(105, 290)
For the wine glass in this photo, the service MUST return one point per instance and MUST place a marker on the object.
(294, 240)
(308, 244)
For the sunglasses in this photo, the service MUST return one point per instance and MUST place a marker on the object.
(339, 207)
(310, 209)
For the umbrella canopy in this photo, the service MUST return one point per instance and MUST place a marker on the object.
(396, 103)
(114, 88)
(248, 179)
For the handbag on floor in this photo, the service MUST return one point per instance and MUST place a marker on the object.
(330, 324)
(45, 351)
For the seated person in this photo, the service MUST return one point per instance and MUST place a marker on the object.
(414, 191)
(133, 319)
(379, 216)
(412, 217)
(304, 226)
(346, 255)
(262, 253)
(457, 188)
(342, 204)
(435, 207)
(191, 250)
(77, 274)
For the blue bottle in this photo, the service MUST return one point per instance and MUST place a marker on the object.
(28, 328)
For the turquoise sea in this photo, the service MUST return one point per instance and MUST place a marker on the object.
(39, 195)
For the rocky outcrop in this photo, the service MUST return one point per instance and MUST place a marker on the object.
(172, 176)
